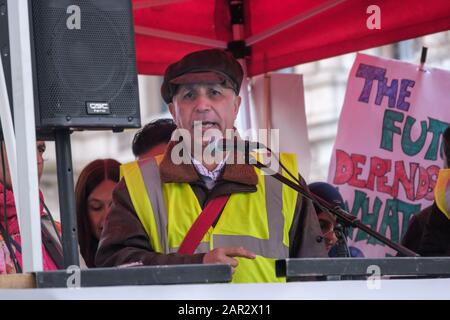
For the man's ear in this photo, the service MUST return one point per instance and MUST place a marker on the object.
(172, 110)
(237, 105)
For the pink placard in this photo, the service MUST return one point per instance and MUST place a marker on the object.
(386, 156)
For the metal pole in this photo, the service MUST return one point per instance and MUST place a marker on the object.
(292, 22)
(7, 128)
(176, 36)
(66, 198)
(27, 195)
(244, 119)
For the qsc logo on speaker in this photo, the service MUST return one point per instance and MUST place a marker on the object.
(97, 108)
(74, 20)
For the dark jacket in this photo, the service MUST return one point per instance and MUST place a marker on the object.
(413, 235)
(436, 235)
(125, 241)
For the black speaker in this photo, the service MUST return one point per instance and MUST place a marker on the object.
(84, 64)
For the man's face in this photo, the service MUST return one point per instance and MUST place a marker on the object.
(212, 104)
(327, 224)
(40, 149)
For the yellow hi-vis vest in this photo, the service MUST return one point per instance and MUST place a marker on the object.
(442, 192)
(259, 221)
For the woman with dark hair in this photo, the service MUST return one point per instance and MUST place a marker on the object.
(93, 195)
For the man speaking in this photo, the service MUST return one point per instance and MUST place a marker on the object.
(200, 211)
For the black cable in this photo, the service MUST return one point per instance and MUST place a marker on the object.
(12, 241)
(5, 231)
(342, 249)
(52, 220)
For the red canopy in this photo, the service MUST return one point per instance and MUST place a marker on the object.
(280, 33)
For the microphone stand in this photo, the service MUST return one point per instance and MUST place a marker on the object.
(346, 218)
(342, 250)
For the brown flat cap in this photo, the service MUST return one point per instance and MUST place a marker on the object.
(205, 66)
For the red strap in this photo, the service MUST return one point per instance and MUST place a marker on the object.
(202, 224)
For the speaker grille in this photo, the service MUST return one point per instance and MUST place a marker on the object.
(93, 64)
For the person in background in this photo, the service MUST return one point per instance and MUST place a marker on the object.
(327, 220)
(413, 235)
(153, 138)
(93, 196)
(435, 240)
(10, 238)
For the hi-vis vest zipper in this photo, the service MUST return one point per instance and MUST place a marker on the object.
(259, 221)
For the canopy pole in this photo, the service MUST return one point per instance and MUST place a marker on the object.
(23, 101)
(153, 32)
(153, 3)
(239, 50)
(292, 22)
(268, 107)
(8, 134)
(423, 58)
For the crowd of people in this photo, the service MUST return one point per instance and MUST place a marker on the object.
(156, 211)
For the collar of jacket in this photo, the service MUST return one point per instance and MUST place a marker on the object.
(186, 173)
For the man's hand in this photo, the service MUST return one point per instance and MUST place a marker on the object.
(225, 255)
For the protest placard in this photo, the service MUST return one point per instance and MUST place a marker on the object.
(386, 156)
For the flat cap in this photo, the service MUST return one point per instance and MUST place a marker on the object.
(205, 66)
